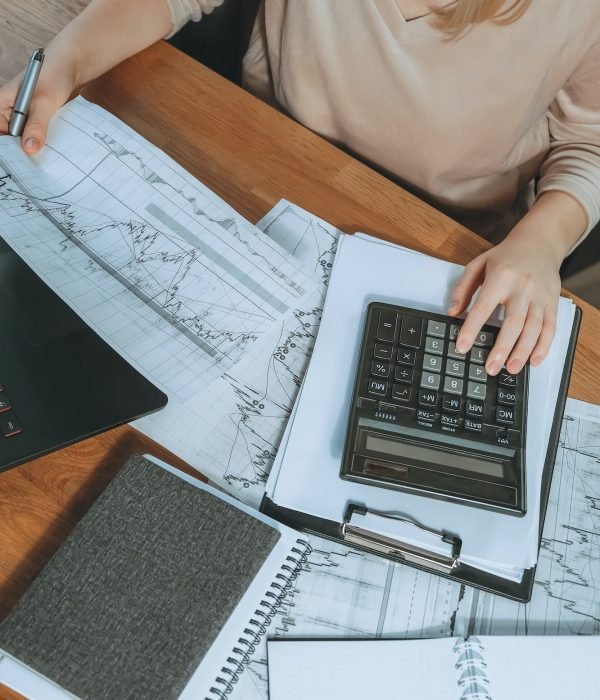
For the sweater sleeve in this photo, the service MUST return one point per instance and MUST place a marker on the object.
(573, 162)
(183, 11)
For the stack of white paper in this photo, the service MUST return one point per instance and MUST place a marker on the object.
(305, 477)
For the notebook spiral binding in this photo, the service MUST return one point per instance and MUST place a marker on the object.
(252, 635)
(471, 666)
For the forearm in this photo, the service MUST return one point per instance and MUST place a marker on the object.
(106, 33)
(556, 221)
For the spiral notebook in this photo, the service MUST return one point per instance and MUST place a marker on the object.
(162, 590)
(476, 668)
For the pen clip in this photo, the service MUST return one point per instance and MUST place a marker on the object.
(444, 558)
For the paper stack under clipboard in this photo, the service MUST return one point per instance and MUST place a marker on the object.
(484, 548)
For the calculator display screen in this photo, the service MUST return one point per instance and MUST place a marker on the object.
(432, 455)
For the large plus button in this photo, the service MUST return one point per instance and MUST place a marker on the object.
(410, 332)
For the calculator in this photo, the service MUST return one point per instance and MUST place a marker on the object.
(429, 420)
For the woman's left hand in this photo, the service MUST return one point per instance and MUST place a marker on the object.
(523, 277)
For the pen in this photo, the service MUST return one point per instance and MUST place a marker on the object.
(23, 100)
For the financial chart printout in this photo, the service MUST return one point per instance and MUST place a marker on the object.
(210, 309)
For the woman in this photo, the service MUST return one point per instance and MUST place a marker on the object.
(490, 108)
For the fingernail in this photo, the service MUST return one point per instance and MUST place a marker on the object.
(461, 347)
(494, 368)
(514, 366)
(453, 306)
(32, 144)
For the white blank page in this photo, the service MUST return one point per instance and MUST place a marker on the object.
(501, 668)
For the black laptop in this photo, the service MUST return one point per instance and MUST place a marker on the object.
(59, 381)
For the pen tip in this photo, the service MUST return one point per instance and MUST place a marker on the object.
(38, 55)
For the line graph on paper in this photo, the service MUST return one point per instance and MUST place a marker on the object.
(204, 304)
(344, 593)
(566, 595)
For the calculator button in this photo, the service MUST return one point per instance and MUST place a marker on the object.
(377, 387)
(474, 408)
(477, 373)
(427, 398)
(451, 403)
(450, 421)
(484, 339)
(10, 426)
(403, 374)
(505, 378)
(383, 352)
(455, 367)
(453, 352)
(432, 363)
(401, 393)
(479, 355)
(1, 386)
(380, 369)
(4, 403)
(363, 402)
(387, 326)
(434, 346)
(476, 390)
(452, 385)
(505, 414)
(472, 424)
(410, 331)
(406, 356)
(454, 331)
(423, 414)
(429, 380)
(436, 328)
(506, 396)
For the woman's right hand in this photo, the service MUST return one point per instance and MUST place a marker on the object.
(56, 83)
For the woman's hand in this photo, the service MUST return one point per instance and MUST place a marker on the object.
(104, 34)
(522, 273)
(56, 83)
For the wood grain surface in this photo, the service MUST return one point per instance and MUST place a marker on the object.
(252, 156)
(26, 25)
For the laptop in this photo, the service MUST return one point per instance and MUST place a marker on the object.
(59, 381)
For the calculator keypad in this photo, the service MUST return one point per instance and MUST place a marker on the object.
(416, 375)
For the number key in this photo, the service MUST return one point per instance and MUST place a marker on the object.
(455, 367)
(432, 363)
(429, 380)
(453, 352)
(477, 372)
(452, 385)
(434, 346)
(476, 390)
(484, 339)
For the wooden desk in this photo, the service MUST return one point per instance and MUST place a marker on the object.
(251, 156)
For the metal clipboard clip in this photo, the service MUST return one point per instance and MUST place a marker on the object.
(360, 527)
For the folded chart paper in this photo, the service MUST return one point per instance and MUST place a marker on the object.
(213, 311)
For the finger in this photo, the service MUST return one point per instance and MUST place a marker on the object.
(466, 286)
(490, 295)
(512, 327)
(546, 336)
(3, 123)
(527, 340)
(36, 126)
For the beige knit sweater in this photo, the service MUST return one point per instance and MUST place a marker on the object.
(470, 124)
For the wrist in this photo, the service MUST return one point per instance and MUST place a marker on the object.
(554, 224)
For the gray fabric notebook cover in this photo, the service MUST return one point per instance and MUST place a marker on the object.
(135, 597)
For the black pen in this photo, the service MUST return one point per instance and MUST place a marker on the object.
(23, 100)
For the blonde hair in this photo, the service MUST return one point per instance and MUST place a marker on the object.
(457, 17)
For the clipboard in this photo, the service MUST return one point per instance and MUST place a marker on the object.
(443, 558)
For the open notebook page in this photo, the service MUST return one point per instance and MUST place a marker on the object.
(484, 668)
